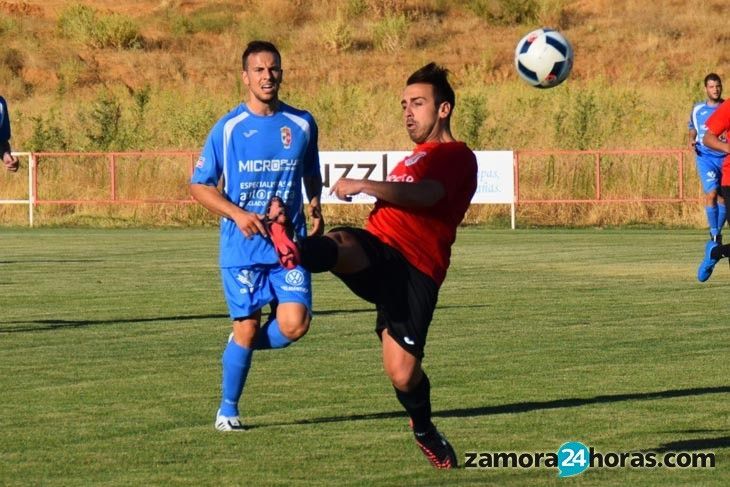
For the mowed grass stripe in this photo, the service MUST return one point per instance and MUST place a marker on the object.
(111, 343)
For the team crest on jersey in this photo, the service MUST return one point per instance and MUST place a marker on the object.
(286, 136)
(411, 160)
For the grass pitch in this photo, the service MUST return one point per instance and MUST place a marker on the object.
(110, 344)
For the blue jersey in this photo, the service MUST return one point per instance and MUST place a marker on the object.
(258, 157)
(4, 121)
(700, 113)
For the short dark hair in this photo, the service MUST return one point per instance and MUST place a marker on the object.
(438, 77)
(712, 77)
(254, 47)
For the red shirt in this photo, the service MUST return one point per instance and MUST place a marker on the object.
(424, 235)
(718, 124)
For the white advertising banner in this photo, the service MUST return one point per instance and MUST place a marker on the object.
(495, 179)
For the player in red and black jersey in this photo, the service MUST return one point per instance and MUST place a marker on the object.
(399, 260)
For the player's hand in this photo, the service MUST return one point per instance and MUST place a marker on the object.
(250, 224)
(316, 221)
(10, 162)
(346, 188)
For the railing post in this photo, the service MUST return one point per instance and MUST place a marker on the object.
(31, 187)
(681, 175)
(113, 175)
(598, 175)
(517, 176)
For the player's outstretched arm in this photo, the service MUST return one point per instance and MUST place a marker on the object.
(422, 194)
(209, 196)
(713, 142)
(692, 138)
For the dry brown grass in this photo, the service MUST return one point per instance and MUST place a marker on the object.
(639, 64)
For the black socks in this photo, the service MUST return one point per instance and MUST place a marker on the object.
(418, 404)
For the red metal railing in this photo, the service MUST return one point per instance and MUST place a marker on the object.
(171, 188)
(677, 154)
(112, 158)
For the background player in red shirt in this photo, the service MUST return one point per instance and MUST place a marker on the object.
(399, 260)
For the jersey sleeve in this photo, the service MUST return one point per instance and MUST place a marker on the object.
(691, 123)
(4, 122)
(209, 167)
(311, 157)
(719, 121)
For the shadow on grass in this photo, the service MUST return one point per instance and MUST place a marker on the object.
(523, 407)
(51, 261)
(50, 324)
(695, 444)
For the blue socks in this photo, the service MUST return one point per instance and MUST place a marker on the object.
(270, 336)
(236, 363)
(712, 218)
(721, 216)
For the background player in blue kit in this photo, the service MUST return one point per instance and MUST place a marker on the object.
(709, 161)
(262, 150)
(10, 162)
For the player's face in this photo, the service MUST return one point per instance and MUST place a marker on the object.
(714, 90)
(423, 119)
(263, 76)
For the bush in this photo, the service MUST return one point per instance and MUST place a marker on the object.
(506, 12)
(85, 25)
(47, 135)
(337, 34)
(470, 117)
(390, 33)
(207, 19)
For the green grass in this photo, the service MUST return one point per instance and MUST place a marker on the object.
(110, 346)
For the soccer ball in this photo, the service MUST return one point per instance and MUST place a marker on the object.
(544, 58)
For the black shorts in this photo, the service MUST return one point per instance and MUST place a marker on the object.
(404, 297)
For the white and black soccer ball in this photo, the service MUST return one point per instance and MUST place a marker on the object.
(544, 58)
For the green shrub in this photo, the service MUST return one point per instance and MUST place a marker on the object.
(85, 25)
(116, 30)
(47, 135)
(470, 116)
(103, 123)
(337, 34)
(207, 19)
(390, 33)
(506, 12)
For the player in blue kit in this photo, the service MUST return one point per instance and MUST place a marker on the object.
(709, 161)
(10, 162)
(261, 151)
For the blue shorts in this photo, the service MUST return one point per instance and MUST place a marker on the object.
(709, 169)
(248, 289)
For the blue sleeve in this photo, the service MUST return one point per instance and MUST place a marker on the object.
(311, 158)
(691, 124)
(4, 121)
(209, 167)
